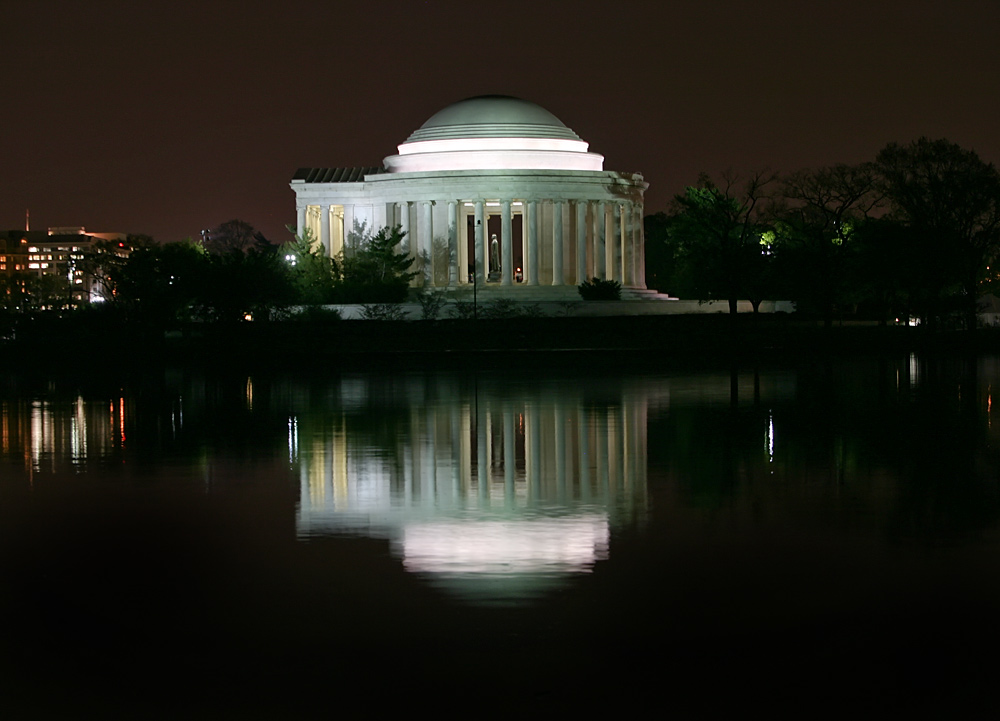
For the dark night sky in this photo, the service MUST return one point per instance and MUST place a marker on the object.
(165, 118)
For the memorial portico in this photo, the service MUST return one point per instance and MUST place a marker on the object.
(484, 167)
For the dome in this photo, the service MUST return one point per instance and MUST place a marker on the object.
(493, 132)
(492, 116)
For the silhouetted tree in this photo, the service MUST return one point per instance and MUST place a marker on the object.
(950, 200)
(816, 234)
(251, 285)
(889, 270)
(160, 284)
(662, 254)
(376, 271)
(24, 292)
(234, 235)
(717, 232)
(314, 273)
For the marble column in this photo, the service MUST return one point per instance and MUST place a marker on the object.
(532, 232)
(616, 243)
(629, 259)
(557, 242)
(404, 226)
(480, 234)
(380, 218)
(300, 220)
(452, 242)
(324, 228)
(581, 242)
(600, 269)
(640, 248)
(506, 243)
(351, 240)
(425, 241)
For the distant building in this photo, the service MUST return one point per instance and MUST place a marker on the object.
(491, 190)
(56, 252)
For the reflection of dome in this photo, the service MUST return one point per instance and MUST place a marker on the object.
(493, 132)
(492, 116)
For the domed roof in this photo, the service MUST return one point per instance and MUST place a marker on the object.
(493, 132)
(492, 116)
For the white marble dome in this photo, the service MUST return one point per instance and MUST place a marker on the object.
(492, 116)
(493, 132)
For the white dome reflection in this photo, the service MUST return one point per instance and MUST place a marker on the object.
(542, 545)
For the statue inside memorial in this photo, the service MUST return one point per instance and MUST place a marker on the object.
(494, 258)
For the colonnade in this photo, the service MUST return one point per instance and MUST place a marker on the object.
(562, 242)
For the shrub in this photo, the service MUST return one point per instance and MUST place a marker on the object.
(383, 311)
(599, 289)
(317, 314)
(430, 305)
(500, 308)
(463, 310)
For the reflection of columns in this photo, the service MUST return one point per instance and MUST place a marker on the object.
(532, 218)
(324, 228)
(601, 450)
(416, 466)
(583, 452)
(581, 242)
(599, 227)
(532, 450)
(465, 452)
(482, 462)
(506, 240)
(489, 447)
(455, 450)
(429, 437)
(425, 242)
(559, 448)
(568, 435)
(557, 242)
(300, 220)
(478, 244)
(404, 226)
(509, 459)
(452, 242)
(614, 449)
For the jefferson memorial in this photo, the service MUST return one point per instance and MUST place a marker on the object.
(493, 191)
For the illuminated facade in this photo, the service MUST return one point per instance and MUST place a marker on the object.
(491, 190)
(55, 252)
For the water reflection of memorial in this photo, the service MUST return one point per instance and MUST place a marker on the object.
(486, 485)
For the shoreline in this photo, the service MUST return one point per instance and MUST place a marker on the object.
(626, 343)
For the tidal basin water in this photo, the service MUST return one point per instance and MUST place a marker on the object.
(807, 537)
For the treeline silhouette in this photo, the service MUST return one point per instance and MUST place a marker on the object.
(914, 233)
